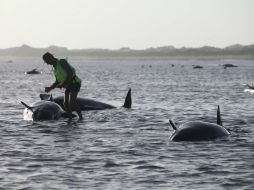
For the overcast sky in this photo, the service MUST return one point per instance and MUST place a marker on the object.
(137, 24)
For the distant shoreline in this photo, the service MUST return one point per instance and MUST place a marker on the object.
(11, 59)
(167, 52)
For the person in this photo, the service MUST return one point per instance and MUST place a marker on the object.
(65, 78)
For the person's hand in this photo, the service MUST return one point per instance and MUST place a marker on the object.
(47, 89)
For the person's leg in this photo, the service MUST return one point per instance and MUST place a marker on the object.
(67, 104)
(74, 104)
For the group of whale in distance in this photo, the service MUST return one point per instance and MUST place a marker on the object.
(49, 108)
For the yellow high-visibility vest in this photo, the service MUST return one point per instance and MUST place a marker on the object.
(61, 74)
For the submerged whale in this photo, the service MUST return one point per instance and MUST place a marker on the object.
(198, 130)
(86, 104)
(44, 110)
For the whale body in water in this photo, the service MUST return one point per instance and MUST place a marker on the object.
(44, 110)
(86, 104)
(198, 130)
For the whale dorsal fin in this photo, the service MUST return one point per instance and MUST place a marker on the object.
(128, 101)
(173, 125)
(27, 106)
(219, 121)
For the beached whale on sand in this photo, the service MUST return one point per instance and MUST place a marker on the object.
(44, 110)
(86, 104)
(198, 130)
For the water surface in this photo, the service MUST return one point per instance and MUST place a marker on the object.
(129, 148)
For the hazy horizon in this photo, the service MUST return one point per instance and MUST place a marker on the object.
(112, 24)
(57, 46)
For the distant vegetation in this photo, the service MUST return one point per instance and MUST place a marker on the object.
(234, 51)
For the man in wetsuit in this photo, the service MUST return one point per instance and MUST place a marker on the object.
(65, 78)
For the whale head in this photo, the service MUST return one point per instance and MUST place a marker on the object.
(44, 110)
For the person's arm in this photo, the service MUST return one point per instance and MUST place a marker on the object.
(54, 85)
(69, 71)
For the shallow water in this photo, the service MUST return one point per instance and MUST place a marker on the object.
(129, 148)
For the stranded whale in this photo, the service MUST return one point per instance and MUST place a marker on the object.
(86, 104)
(34, 71)
(44, 110)
(198, 130)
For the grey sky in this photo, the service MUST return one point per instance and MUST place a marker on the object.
(136, 24)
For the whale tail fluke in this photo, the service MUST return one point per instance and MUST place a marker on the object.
(27, 106)
(128, 101)
(173, 125)
(219, 121)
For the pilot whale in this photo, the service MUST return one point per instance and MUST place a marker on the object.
(198, 130)
(44, 110)
(86, 104)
